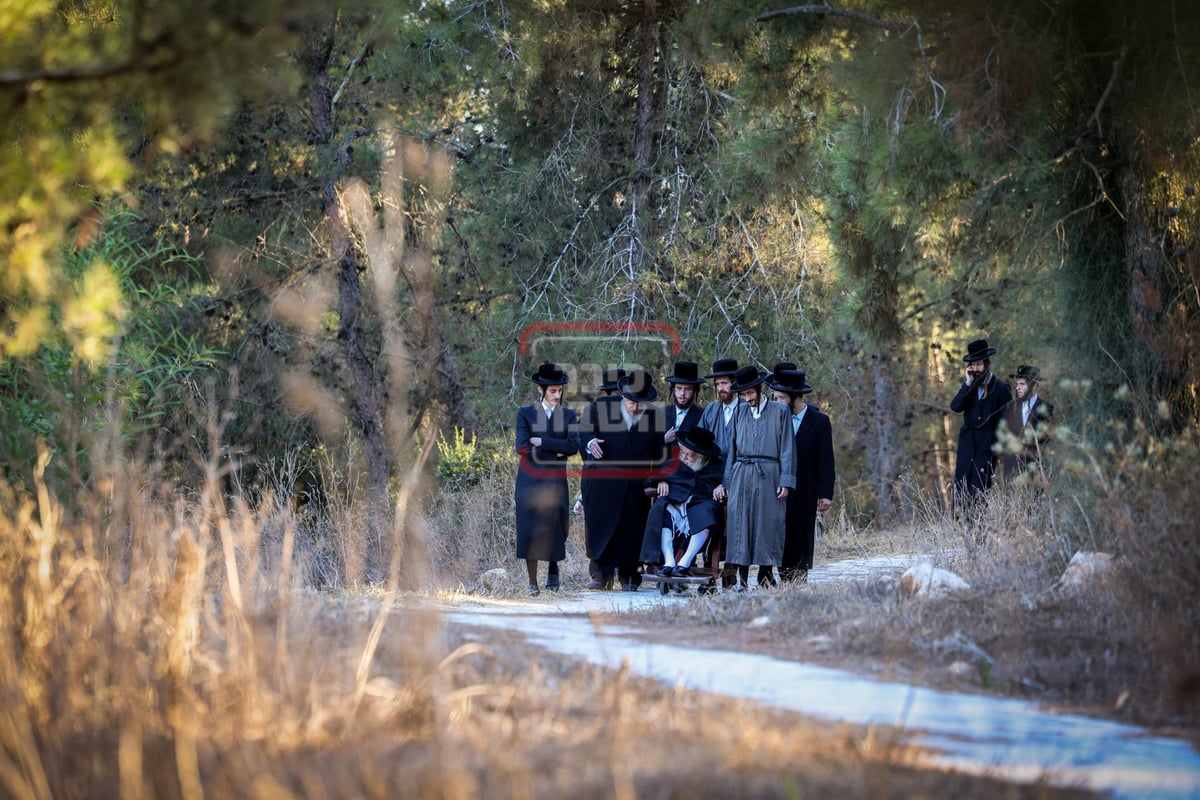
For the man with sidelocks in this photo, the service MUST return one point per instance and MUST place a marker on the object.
(760, 470)
(813, 436)
(546, 437)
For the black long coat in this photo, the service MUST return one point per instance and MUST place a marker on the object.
(614, 503)
(976, 462)
(814, 479)
(541, 495)
(702, 511)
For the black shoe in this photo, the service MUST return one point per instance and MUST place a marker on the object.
(552, 583)
(767, 579)
(739, 587)
(681, 572)
(665, 572)
(533, 591)
(603, 586)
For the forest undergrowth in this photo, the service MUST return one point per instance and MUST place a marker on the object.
(165, 644)
(169, 643)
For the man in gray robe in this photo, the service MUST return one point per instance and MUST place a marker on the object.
(760, 470)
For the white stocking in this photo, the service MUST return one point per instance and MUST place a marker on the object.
(695, 545)
(668, 547)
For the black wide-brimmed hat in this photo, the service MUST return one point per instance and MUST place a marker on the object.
(638, 386)
(699, 440)
(1026, 372)
(790, 381)
(687, 372)
(747, 378)
(723, 368)
(978, 350)
(609, 379)
(550, 375)
(781, 366)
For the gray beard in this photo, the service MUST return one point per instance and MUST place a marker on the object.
(630, 420)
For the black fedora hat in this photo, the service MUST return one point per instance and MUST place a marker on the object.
(790, 381)
(978, 350)
(747, 378)
(550, 375)
(1026, 372)
(723, 368)
(609, 379)
(686, 372)
(699, 440)
(638, 386)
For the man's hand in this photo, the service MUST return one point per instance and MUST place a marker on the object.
(719, 494)
(594, 449)
(781, 492)
(536, 441)
(664, 488)
(823, 504)
(669, 436)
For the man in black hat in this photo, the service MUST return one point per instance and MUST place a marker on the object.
(813, 435)
(607, 388)
(684, 515)
(982, 400)
(1027, 418)
(683, 414)
(624, 448)
(760, 471)
(718, 417)
(546, 436)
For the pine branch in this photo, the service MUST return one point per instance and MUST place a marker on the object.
(824, 9)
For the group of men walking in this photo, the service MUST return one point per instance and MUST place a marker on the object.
(662, 483)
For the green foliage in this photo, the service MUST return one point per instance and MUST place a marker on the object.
(142, 370)
(464, 461)
(87, 89)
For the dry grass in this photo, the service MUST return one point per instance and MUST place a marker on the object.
(168, 648)
(162, 643)
(1108, 649)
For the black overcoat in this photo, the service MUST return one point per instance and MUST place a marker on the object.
(976, 460)
(614, 502)
(814, 480)
(702, 511)
(541, 495)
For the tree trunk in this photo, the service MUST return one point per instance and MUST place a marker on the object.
(643, 134)
(881, 447)
(1147, 309)
(367, 414)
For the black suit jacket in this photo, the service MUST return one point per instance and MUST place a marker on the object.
(815, 477)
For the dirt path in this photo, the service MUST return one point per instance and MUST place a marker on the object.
(971, 732)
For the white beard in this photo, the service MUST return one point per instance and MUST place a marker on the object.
(630, 419)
